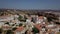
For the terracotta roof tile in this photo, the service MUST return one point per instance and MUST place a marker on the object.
(38, 26)
(41, 17)
(20, 28)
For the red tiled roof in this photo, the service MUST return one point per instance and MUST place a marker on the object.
(4, 16)
(38, 26)
(40, 17)
(20, 28)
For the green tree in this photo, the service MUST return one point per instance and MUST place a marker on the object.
(20, 17)
(1, 30)
(49, 19)
(7, 23)
(20, 24)
(10, 32)
(52, 18)
(35, 30)
(14, 28)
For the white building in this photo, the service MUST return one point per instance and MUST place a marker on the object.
(6, 18)
(59, 19)
(1, 24)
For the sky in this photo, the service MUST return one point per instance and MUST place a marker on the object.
(30, 4)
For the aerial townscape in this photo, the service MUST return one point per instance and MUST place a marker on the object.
(15, 21)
